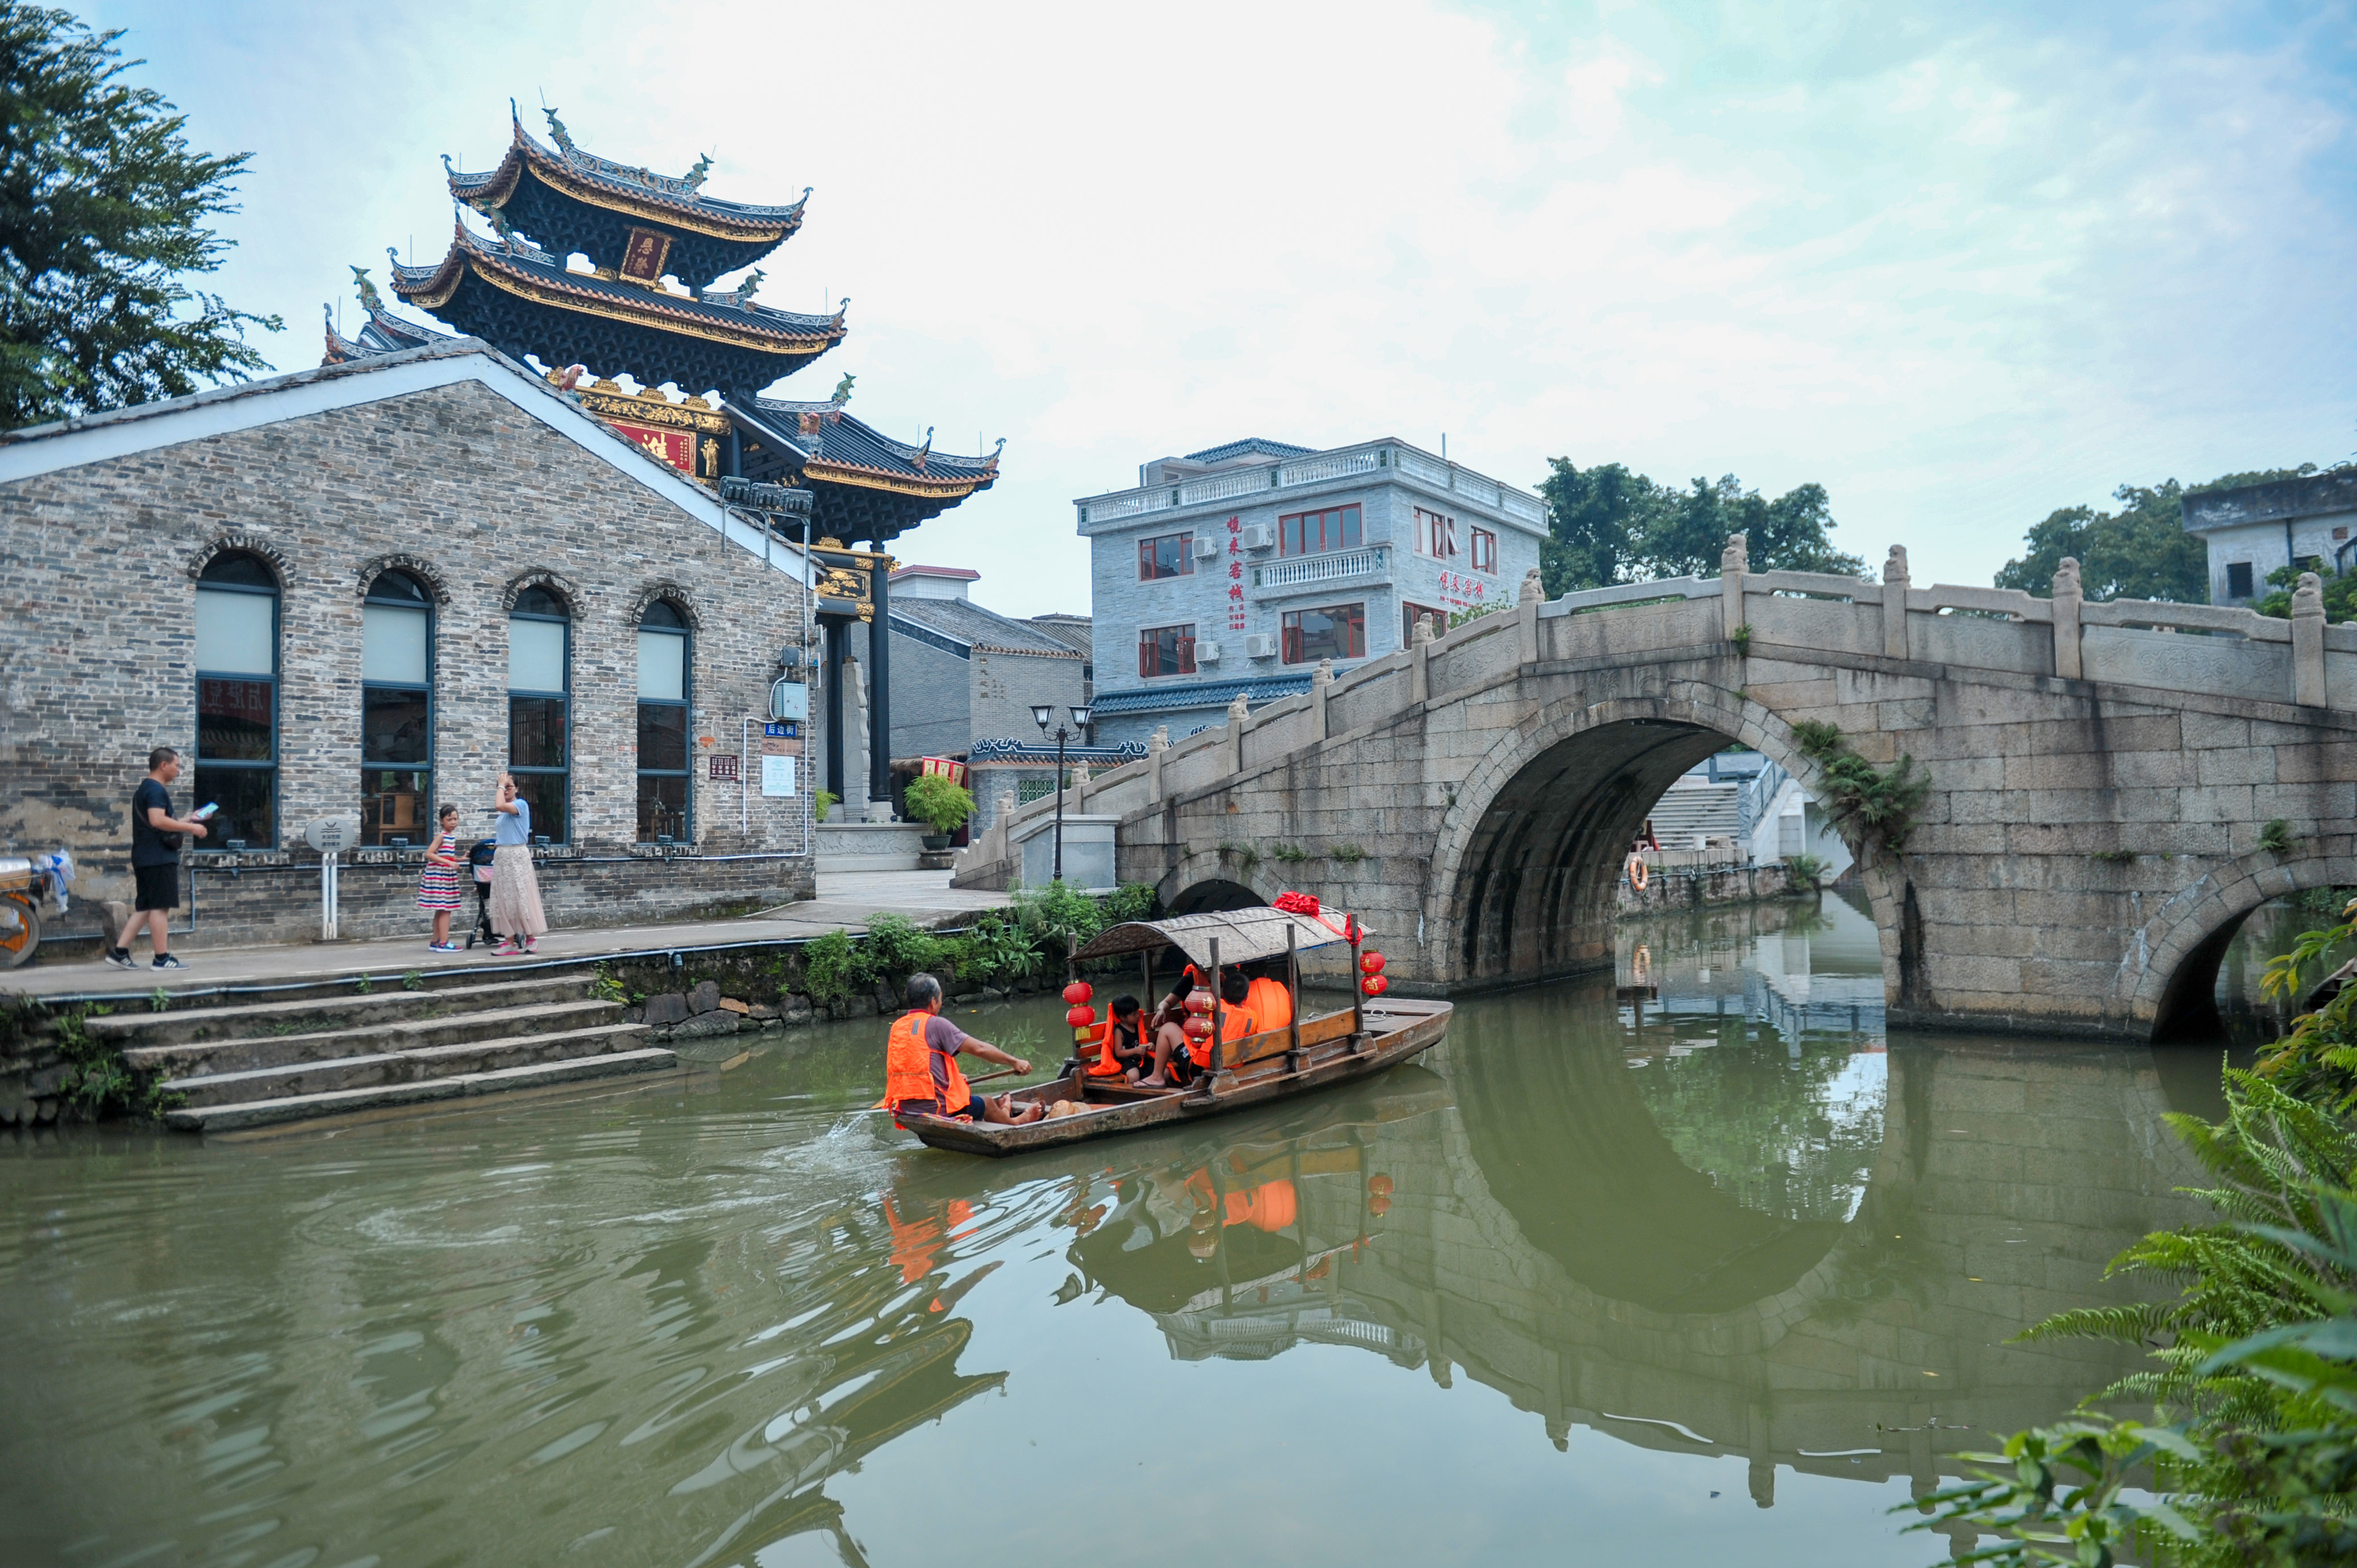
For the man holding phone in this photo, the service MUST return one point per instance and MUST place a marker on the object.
(156, 861)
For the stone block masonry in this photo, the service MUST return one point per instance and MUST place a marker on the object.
(477, 493)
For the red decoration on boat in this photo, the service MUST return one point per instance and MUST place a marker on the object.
(1378, 1206)
(1197, 1028)
(1295, 903)
(1370, 962)
(1199, 1001)
(1077, 992)
(1380, 1184)
(1374, 985)
(1080, 1017)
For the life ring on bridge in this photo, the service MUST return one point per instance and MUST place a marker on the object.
(1637, 872)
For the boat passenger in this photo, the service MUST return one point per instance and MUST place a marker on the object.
(1176, 1060)
(1122, 1047)
(921, 1070)
(1271, 1003)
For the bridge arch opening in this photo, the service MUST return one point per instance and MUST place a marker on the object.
(1213, 896)
(1537, 884)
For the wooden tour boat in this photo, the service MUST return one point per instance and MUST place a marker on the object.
(1343, 1046)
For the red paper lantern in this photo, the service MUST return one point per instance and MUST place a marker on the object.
(1077, 992)
(1199, 1001)
(1370, 962)
(1378, 1206)
(1374, 985)
(1197, 1030)
(1081, 1017)
(1380, 1184)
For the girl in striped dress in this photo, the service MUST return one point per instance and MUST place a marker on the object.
(437, 887)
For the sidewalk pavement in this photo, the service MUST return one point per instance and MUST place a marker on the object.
(847, 900)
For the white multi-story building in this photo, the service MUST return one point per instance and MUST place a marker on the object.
(1236, 570)
(2254, 529)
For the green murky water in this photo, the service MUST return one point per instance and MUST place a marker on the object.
(1690, 1269)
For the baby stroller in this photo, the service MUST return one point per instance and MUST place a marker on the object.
(479, 857)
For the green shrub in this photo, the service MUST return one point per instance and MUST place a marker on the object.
(938, 804)
(833, 966)
(823, 801)
(1000, 951)
(1130, 901)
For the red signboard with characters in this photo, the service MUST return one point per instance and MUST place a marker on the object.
(643, 257)
(1236, 573)
(676, 448)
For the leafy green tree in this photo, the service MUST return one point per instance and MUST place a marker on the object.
(2340, 594)
(1608, 525)
(102, 209)
(2140, 552)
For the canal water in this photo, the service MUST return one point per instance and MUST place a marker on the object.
(1690, 1265)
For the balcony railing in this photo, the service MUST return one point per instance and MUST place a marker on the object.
(1316, 469)
(1320, 568)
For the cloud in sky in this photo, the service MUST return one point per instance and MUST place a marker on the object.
(1963, 263)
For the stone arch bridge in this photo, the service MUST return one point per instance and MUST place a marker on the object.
(2104, 779)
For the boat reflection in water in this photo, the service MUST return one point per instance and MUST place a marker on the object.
(1701, 1207)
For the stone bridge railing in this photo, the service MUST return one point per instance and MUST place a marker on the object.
(2169, 649)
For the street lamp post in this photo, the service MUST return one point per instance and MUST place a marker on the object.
(1042, 715)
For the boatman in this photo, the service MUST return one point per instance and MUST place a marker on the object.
(921, 1070)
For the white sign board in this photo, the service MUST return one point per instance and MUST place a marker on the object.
(778, 775)
(330, 834)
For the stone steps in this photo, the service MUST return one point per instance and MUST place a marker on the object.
(1686, 812)
(335, 1052)
(339, 1008)
(342, 1102)
(215, 1057)
(313, 1077)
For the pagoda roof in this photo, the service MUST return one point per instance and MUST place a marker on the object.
(384, 333)
(523, 299)
(569, 199)
(865, 484)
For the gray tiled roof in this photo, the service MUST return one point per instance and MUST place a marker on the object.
(1074, 631)
(971, 624)
(1251, 446)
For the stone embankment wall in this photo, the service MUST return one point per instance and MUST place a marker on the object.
(1674, 888)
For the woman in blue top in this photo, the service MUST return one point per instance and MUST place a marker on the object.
(516, 914)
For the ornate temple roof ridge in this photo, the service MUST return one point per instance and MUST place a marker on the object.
(675, 200)
(515, 259)
(827, 433)
(384, 332)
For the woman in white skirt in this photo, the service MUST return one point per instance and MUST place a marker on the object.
(516, 914)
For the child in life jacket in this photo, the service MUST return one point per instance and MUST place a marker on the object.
(1122, 1048)
(1176, 1059)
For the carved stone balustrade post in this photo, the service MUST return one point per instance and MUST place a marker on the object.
(1321, 682)
(2308, 642)
(1526, 609)
(1894, 603)
(1419, 660)
(1734, 565)
(2068, 597)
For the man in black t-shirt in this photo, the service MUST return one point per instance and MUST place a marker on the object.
(154, 862)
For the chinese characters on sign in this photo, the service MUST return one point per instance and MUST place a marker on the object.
(1462, 591)
(643, 258)
(781, 747)
(676, 448)
(1236, 573)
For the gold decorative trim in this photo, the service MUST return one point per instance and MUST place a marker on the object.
(653, 408)
(563, 177)
(587, 303)
(866, 478)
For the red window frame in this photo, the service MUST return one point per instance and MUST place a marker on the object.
(1322, 532)
(1150, 648)
(1484, 552)
(1350, 620)
(1146, 570)
(1435, 534)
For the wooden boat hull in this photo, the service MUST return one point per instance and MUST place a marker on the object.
(1398, 1029)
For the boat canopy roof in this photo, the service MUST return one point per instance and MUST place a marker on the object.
(1243, 934)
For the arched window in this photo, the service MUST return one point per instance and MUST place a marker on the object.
(237, 702)
(396, 711)
(540, 664)
(663, 789)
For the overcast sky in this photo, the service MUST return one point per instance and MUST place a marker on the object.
(1963, 265)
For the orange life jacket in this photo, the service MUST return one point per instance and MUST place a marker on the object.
(909, 1069)
(1107, 1064)
(1270, 1207)
(1271, 1005)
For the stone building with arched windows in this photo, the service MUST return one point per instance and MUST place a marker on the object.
(363, 591)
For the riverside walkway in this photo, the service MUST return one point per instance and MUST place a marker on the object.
(846, 901)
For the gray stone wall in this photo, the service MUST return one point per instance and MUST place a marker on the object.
(459, 486)
(1007, 683)
(932, 699)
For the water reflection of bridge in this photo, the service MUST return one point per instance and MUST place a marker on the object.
(1525, 1226)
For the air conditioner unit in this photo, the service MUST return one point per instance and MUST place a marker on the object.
(1259, 536)
(1206, 547)
(1207, 653)
(1260, 645)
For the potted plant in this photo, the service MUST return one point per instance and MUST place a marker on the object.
(823, 803)
(940, 805)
